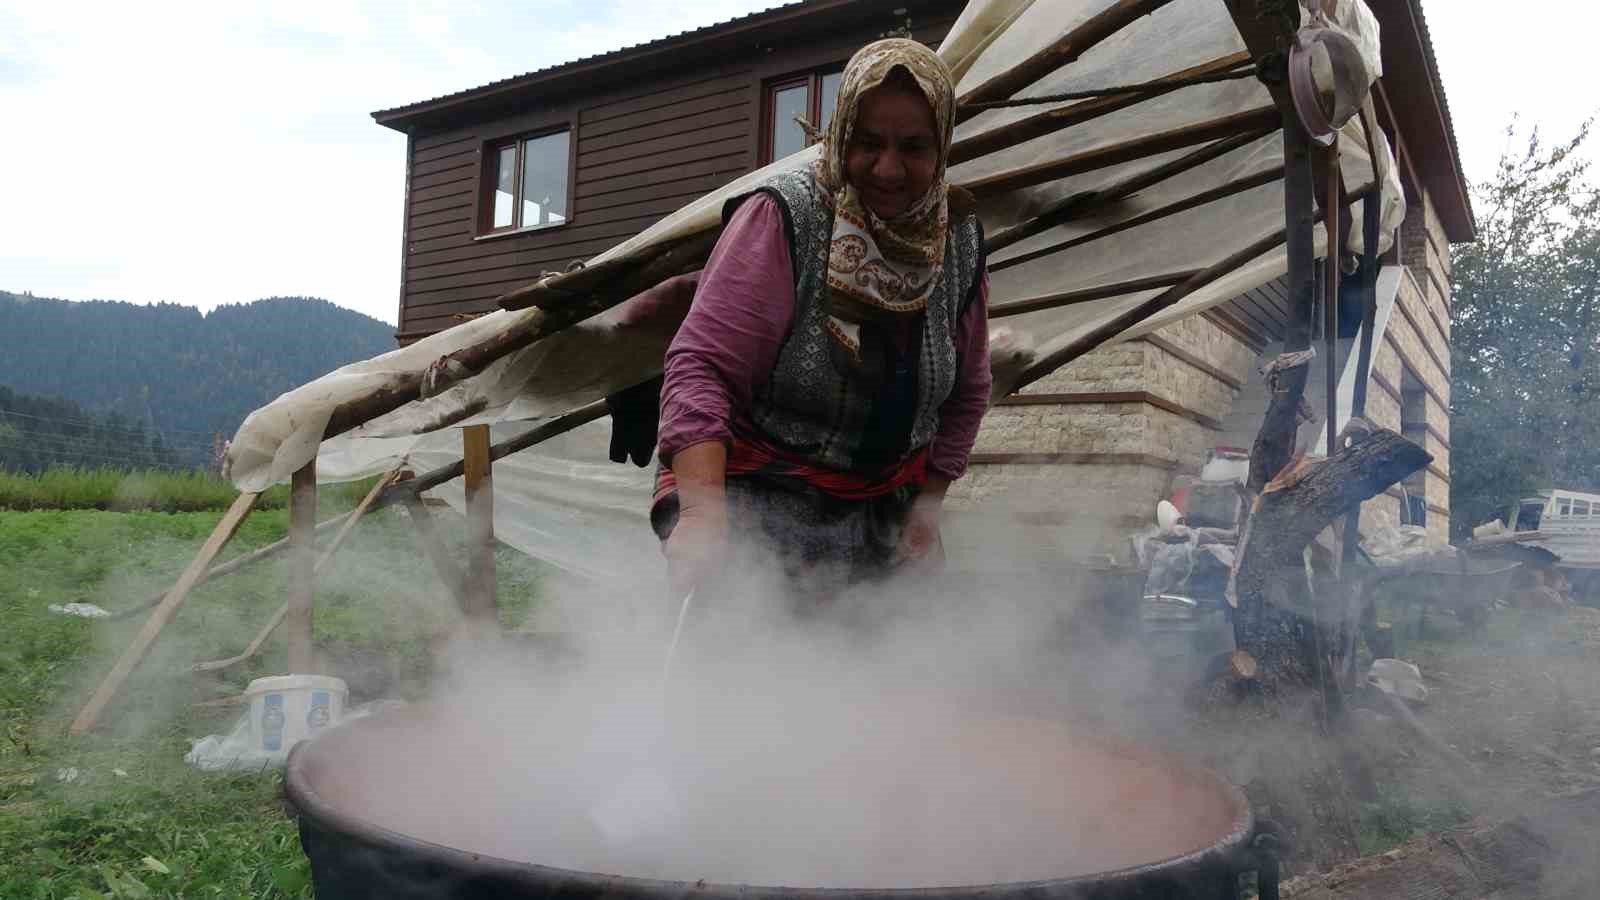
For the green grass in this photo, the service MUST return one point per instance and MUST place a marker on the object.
(158, 828)
(73, 487)
(1393, 820)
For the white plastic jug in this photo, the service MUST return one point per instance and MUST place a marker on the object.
(287, 709)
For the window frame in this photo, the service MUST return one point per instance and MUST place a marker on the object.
(812, 79)
(489, 181)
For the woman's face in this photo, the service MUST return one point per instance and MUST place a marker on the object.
(894, 150)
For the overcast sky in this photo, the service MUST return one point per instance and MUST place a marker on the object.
(223, 151)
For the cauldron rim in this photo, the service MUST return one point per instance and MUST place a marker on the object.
(1227, 852)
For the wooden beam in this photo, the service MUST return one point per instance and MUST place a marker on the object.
(1085, 459)
(1255, 120)
(350, 521)
(480, 577)
(1145, 397)
(1083, 203)
(1370, 211)
(302, 566)
(428, 538)
(1060, 118)
(1066, 50)
(135, 652)
(1086, 295)
(1330, 294)
(1237, 186)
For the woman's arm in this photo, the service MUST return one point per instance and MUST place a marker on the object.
(729, 341)
(727, 345)
(962, 412)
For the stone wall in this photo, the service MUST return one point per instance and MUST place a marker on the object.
(1076, 471)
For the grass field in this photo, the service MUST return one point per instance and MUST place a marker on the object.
(118, 814)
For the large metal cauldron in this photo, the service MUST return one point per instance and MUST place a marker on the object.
(355, 853)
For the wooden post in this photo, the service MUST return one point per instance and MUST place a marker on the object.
(1369, 322)
(1331, 211)
(90, 714)
(350, 520)
(434, 549)
(480, 576)
(302, 566)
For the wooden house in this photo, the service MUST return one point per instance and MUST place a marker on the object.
(535, 172)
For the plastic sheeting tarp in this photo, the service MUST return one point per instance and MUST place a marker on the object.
(600, 356)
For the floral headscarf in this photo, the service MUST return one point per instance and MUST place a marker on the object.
(877, 266)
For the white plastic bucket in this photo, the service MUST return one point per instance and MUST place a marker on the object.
(287, 709)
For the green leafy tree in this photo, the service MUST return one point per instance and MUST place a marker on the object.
(1524, 325)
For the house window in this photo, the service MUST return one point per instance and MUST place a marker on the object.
(530, 182)
(810, 97)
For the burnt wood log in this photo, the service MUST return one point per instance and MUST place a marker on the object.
(1269, 569)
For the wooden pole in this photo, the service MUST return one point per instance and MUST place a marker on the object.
(1331, 210)
(428, 538)
(480, 577)
(1087, 295)
(302, 566)
(1083, 203)
(1072, 45)
(350, 520)
(1064, 117)
(232, 565)
(1237, 186)
(135, 652)
(1252, 120)
(1369, 322)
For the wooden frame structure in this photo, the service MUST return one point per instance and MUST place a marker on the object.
(568, 298)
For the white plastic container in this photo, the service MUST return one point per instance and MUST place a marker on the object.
(287, 709)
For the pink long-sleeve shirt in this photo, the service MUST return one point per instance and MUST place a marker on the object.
(729, 343)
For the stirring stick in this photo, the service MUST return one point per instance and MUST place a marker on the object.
(677, 632)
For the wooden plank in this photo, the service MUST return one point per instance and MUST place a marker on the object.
(420, 287)
(302, 563)
(654, 147)
(432, 547)
(472, 298)
(445, 186)
(456, 200)
(1087, 295)
(479, 477)
(428, 151)
(660, 207)
(1230, 326)
(1126, 151)
(442, 142)
(461, 229)
(524, 247)
(460, 213)
(1067, 49)
(736, 114)
(350, 520)
(726, 167)
(450, 176)
(135, 651)
(667, 162)
(1144, 397)
(683, 190)
(457, 162)
(1057, 459)
(658, 97)
(735, 96)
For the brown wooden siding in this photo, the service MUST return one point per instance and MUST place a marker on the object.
(639, 154)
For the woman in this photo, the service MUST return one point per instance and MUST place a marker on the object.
(828, 382)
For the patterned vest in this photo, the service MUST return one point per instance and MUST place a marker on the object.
(820, 407)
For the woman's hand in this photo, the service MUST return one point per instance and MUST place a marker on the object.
(919, 538)
(698, 544)
(697, 547)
